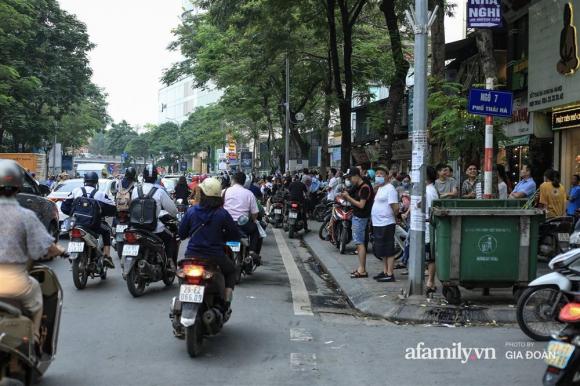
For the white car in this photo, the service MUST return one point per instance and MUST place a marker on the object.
(63, 190)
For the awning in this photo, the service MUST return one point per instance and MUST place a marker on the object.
(522, 140)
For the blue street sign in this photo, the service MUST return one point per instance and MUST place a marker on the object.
(489, 102)
(183, 166)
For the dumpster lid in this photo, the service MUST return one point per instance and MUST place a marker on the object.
(485, 212)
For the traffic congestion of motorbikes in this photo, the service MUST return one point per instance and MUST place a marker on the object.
(547, 310)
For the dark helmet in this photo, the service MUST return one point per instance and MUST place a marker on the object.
(11, 177)
(91, 178)
(150, 173)
(131, 173)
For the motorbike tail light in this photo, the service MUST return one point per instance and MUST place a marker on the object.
(294, 205)
(122, 216)
(193, 270)
(131, 237)
(570, 313)
(76, 233)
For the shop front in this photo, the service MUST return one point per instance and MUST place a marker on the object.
(554, 81)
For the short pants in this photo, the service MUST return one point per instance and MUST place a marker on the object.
(359, 230)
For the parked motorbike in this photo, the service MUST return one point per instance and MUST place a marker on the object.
(322, 210)
(181, 208)
(21, 363)
(539, 305)
(200, 309)
(555, 236)
(85, 251)
(144, 258)
(563, 352)
(337, 227)
(575, 236)
(295, 221)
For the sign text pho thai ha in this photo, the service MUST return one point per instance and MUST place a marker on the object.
(483, 13)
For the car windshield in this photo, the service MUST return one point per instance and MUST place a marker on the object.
(68, 186)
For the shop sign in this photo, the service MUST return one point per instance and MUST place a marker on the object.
(566, 119)
(519, 123)
(401, 150)
(484, 13)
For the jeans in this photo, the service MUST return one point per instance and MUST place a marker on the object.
(359, 230)
(251, 230)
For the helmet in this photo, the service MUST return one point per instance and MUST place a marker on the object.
(150, 173)
(91, 178)
(11, 177)
(211, 187)
(131, 173)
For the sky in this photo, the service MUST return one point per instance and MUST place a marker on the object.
(131, 38)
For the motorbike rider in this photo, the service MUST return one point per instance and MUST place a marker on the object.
(127, 182)
(108, 209)
(24, 238)
(240, 201)
(164, 202)
(182, 191)
(209, 226)
(298, 192)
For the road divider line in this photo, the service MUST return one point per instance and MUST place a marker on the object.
(300, 298)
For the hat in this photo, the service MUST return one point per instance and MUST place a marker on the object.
(353, 171)
(383, 168)
(211, 187)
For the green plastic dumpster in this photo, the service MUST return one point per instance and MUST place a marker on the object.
(484, 244)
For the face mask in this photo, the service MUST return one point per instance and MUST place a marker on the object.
(379, 180)
(348, 183)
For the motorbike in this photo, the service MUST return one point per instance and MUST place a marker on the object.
(555, 236)
(22, 362)
(276, 215)
(121, 223)
(295, 221)
(200, 309)
(144, 258)
(337, 227)
(538, 305)
(181, 208)
(322, 210)
(563, 352)
(86, 256)
(575, 236)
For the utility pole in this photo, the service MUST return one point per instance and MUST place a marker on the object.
(488, 155)
(287, 106)
(421, 22)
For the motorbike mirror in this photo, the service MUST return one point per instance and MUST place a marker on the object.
(243, 220)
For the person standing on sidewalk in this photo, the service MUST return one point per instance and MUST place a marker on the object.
(469, 185)
(446, 185)
(526, 188)
(430, 195)
(574, 196)
(362, 203)
(383, 215)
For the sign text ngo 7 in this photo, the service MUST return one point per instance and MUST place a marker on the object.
(489, 102)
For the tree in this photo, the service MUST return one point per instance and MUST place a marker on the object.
(118, 136)
(138, 147)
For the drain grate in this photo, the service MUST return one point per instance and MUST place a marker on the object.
(456, 315)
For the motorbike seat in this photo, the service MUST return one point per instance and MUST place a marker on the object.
(13, 307)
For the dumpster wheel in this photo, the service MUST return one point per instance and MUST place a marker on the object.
(452, 295)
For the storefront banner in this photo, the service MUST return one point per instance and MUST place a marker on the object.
(566, 119)
(484, 14)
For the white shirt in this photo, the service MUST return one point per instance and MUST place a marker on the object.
(99, 196)
(382, 213)
(502, 190)
(239, 201)
(332, 189)
(164, 202)
(430, 195)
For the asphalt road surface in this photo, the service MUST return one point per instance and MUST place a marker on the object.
(289, 327)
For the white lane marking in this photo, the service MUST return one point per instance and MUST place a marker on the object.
(303, 362)
(300, 335)
(300, 297)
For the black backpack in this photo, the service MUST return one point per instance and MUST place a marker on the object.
(87, 210)
(143, 210)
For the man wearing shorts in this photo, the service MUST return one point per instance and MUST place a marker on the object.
(361, 200)
(383, 214)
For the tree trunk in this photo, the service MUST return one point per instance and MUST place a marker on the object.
(325, 156)
(484, 41)
(398, 84)
(438, 40)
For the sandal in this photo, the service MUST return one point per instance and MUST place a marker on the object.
(430, 290)
(355, 252)
(358, 275)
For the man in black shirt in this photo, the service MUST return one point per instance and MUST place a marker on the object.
(298, 191)
(361, 198)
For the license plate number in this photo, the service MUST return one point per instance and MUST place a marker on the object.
(559, 354)
(75, 247)
(277, 211)
(234, 245)
(293, 215)
(130, 250)
(121, 228)
(189, 293)
(563, 237)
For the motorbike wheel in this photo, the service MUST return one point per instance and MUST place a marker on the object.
(119, 249)
(343, 241)
(319, 213)
(104, 273)
(80, 275)
(323, 231)
(291, 232)
(135, 284)
(194, 338)
(169, 278)
(537, 311)
(238, 265)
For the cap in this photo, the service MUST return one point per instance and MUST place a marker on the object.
(211, 187)
(353, 171)
(382, 167)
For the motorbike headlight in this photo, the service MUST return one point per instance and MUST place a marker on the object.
(575, 240)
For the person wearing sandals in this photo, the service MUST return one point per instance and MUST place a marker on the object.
(362, 203)
(430, 195)
(383, 215)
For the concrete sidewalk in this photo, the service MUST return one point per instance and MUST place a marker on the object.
(387, 300)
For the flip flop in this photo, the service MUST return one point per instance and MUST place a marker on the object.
(358, 275)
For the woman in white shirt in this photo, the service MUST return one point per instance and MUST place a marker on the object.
(431, 194)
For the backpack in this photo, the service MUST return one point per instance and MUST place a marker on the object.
(87, 210)
(143, 210)
(123, 198)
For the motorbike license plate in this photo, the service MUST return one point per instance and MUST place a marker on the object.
(121, 228)
(75, 247)
(130, 250)
(277, 211)
(563, 237)
(293, 215)
(234, 245)
(559, 354)
(189, 293)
